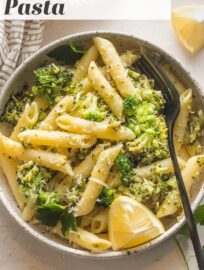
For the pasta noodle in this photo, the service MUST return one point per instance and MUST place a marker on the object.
(105, 90)
(28, 118)
(28, 212)
(100, 171)
(62, 106)
(86, 220)
(113, 180)
(162, 167)
(182, 119)
(41, 103)
(115, 66)
(172, 201)
(83, 64)
(49, 160)
(180, 88)
(86, 166)
(64, 185)
(127, 59)
(86, 85)
(9, 168)
(86, 239)
(99, 223)
(194, 149)
(56, 139)
(100, 130)
(10, 148)
(184, 153)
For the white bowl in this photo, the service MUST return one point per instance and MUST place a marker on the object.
(23, 76)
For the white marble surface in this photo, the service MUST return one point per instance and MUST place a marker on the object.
(20, 251)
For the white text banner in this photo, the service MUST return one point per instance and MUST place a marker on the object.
(85, 9)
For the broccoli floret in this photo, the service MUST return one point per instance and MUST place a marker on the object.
(149, 127)
(90, 107)
(15, 107)
(140, 81)
(150, 192)
(133, 74)
(125, 166)
(152, 102)
(130, 105)
(154, 97)
(151, 143)
(50, 211)
(106, 197)
(42, 115)
(93, 111)
(143, 189)
(32, 180)
(47, 197)
(51, 82)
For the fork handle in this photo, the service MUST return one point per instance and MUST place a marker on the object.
(186, 203)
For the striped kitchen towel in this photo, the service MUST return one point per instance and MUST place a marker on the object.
(18, 40)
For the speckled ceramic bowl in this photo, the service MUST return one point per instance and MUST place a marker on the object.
(24, 76)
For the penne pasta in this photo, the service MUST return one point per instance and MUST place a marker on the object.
(85, 221)
(101, 130)
(113, 180)
(10, 148)
(192, 169)
(172, 201)
(99, 223)
(182, 119)
(85, 239)
(9, 168)
(127, 59)
(49, 160)
(105, 90)
(162, 167)
(170, 205)
(29, 212)
(41, 103)
(114, 64)
(184, 153)
(64, 185)
(62, 106)
(81, 67)
(194, 149)
(98, 177)
(28, 119)
(56, 139)
(85, 167)
(179, 86)
(86, 85)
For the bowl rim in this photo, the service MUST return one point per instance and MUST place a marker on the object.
(62, 247)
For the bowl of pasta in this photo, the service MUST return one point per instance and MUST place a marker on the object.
(84, 158)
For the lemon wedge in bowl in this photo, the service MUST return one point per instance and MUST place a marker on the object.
(131, 223)
(188, 23)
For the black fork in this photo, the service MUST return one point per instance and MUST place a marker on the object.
(152, 69)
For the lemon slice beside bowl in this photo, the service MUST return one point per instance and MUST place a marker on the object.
(188, 23)
(131, 223)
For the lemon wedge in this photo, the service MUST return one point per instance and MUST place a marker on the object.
(131, 223)
(188, 23)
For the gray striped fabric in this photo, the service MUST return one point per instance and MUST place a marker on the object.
(18, 40)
